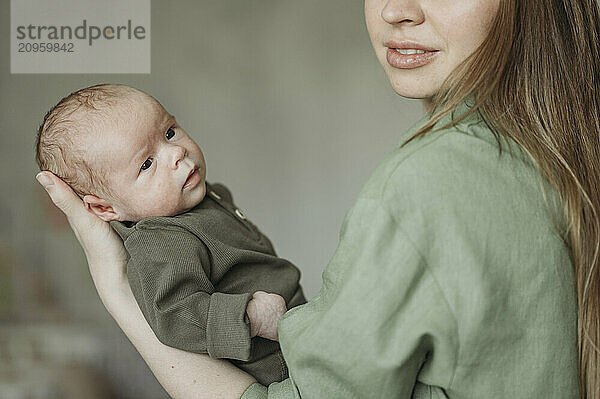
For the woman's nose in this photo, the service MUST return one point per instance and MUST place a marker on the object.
(396, 11)
(177, 154)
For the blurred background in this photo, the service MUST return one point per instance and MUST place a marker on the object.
(293, 113)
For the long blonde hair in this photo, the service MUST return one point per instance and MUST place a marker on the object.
(536, 79)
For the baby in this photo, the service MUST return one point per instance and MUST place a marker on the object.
(197, 267)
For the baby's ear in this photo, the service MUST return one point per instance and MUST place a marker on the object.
(100, 208)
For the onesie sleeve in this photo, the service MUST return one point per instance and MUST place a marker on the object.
(169, 271)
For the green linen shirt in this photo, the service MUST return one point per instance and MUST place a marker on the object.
(450, 280)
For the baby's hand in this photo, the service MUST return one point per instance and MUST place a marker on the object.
(264, 311)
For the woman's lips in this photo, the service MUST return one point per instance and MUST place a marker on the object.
(192, 180)
(409, 61)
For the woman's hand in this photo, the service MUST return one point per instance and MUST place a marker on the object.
(103, 248)
(182, 374)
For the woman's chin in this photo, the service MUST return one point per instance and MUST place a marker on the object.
(412, 91)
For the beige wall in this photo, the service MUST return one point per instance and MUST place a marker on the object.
(287, 102)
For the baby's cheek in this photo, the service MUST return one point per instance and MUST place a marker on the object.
(165, 205)
(160, 199)
(151, 204)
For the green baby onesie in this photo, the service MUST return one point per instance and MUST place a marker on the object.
(193, 275)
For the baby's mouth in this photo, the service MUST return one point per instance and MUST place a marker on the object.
(192, 179)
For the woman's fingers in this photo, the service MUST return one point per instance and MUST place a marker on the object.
(70, 204)
(61, 194)
(97, 238)
(104, 250)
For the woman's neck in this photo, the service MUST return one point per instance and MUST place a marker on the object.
(427, 104)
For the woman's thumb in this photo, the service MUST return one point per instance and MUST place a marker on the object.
(57, 195)
(44, 179)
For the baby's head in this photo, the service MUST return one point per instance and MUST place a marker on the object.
(122, 153)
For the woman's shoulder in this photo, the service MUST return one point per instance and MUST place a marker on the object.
(460, 160)
(479, 221)
(461, 178)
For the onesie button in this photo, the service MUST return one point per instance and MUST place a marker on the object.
(240, 214)
(214, 195)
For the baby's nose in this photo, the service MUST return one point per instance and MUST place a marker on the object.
(179, 153)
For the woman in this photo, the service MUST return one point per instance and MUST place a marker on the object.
(468, 265)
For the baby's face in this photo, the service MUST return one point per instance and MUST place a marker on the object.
(153, 167)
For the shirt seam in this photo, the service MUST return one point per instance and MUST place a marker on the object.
(438, 136)
(138, 229)
(439, 288)
(417, 249)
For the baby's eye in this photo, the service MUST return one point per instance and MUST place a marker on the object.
(146, 164)
(170, 133)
